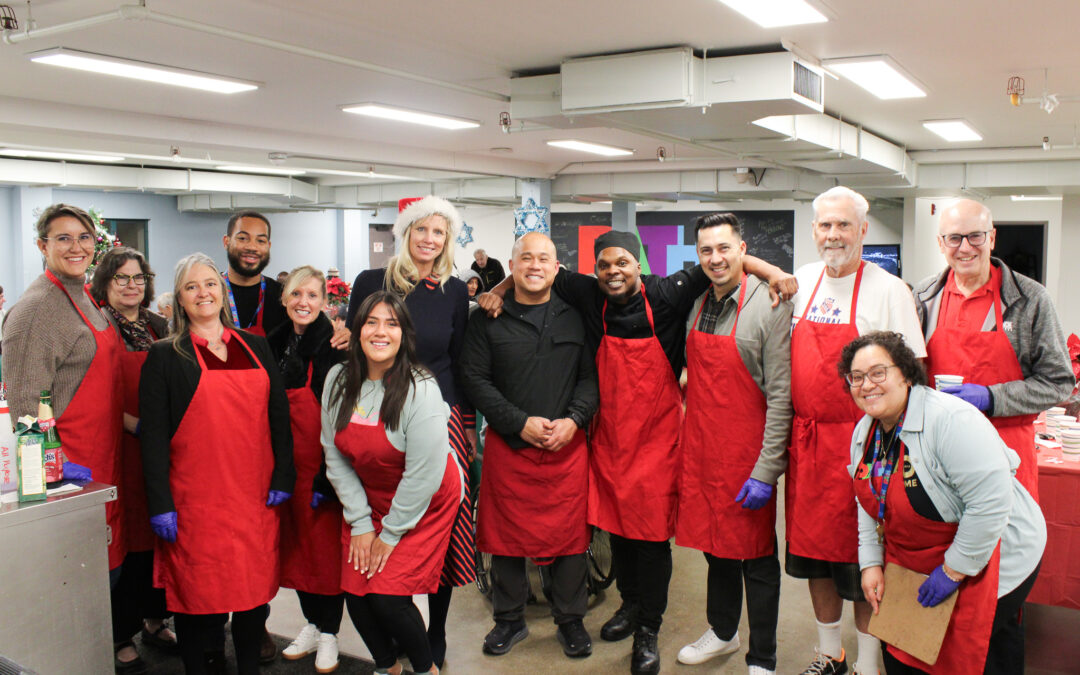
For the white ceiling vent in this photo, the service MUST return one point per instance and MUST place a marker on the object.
(662, 78)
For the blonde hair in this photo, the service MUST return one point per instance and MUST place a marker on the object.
(402, 274)
(180, 323)
(298, 277)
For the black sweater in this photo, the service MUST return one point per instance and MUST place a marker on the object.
(166, 387)
(313, 348)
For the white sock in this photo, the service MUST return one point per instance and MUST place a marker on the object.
(829, 641)
(869, 652)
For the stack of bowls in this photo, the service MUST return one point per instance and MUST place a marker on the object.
(1055, 424)
(1070, 443)
(1052, 412)
(941, 381)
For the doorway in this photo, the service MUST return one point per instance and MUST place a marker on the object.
(1023, 248)
(380, 245)
(130, 231)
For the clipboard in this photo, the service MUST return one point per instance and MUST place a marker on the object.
(905, 624)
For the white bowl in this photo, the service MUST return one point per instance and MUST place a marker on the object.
(1056, 410)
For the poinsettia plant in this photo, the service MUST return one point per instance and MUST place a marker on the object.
(104, 240)
(1074, 354)
(337, 292)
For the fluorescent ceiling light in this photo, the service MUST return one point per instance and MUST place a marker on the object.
(269, 170)
(774, 13)
(595, 148)
(138, 70)
(46, 154)
(413, 116)
(359, 174)
(1036, 198)
(953, 131)
(879, 75)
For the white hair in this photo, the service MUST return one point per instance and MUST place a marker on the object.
(862, 207)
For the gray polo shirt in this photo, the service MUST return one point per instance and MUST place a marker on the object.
(763, 338)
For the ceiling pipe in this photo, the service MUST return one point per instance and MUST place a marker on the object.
(142, 13)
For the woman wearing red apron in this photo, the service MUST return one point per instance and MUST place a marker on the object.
(389, 459)
(311, 521)
(217, 457)
(937, 495)
(123, 285)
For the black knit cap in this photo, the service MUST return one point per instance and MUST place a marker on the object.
(626, 240)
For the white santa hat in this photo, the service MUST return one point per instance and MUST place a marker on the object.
(413, 209)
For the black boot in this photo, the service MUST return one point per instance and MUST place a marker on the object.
(646, 656)
(620, 626)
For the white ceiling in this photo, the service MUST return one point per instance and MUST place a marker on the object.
(963, 51)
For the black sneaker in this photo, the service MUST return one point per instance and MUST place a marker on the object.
(620, 626)
(574, 639)
(504, 636)
(646, 654)
(826, 665)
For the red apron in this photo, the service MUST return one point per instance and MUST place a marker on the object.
(722, 402)
(634, 453)
(919, 544)
(92, 424)
(225, 557)
(819, 505)
(132, 483)
(534, 502)
(310, 538)
(986, 358)
(416, 563)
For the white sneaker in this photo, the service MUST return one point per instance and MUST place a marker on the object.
(706, 647)
(305, 643)
(760, 670)
(326, 660)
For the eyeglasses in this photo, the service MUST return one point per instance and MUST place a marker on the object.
(877, 375)
(125, 279)
(974, 238)
(66, 240)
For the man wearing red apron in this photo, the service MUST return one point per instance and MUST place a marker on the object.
(529, 372)
(839, 299)
(995, 328)
(738, 363)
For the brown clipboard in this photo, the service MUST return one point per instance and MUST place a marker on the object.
(905, 624)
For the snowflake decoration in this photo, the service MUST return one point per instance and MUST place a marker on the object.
(465, 238)
(531, 218)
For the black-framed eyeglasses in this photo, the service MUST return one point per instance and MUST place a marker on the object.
(125, 279)
(973, 238)
(877, 375)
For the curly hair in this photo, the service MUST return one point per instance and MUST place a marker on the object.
(893, 344)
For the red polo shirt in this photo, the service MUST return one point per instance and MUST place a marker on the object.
(968, 313)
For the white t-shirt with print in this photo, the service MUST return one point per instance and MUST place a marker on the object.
(885, 302)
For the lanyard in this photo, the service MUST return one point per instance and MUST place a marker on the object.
(232, 302)
(890, 459)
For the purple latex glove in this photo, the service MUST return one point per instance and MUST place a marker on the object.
(975, 394)
(73, 471)
(937, 587)
(164, 525)
(276, 497)
(317, 498)
(754, 494)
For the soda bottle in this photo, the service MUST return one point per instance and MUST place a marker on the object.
(54, 453)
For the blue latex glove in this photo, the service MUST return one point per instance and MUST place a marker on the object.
(276, 497)
(164, 525)
(75, 471)
(975, 394)
(317, 498)
(937, 587)
(754, 494)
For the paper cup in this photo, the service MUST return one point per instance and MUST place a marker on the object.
(941, 381)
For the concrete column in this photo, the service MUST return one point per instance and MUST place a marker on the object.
(1069, 274)
(624, 216)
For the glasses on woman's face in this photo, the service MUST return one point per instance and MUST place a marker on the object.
(84, 240)
(973, 238)
(876, 375)
(125, 279)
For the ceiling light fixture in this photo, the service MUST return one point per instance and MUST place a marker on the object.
(139, 70)
(954, 131)
(387, 112)
(775, 13)
(271, 171)
(879, 75)
(1036, 198)
(70, 156)
(595, 148)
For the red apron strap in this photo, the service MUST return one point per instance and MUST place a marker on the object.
(738, 308)
(854, 292)
(648, 311)
(56, 282)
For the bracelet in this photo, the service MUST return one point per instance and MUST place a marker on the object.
(949, 576)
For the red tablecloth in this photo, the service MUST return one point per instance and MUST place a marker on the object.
(1059, 495)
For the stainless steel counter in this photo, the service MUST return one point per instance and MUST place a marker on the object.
(55, 615)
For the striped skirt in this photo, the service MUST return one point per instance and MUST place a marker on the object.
(460, 566)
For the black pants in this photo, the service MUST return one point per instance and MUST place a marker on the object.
(324, 611)
(438, 608)
(510, 588)
(134, 597)
(761, 577)
(199, 635)
(1006, 653)
(383, 620)
(642, 575)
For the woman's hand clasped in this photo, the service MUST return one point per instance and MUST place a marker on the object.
(368, 554)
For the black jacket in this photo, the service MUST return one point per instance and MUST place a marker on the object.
(490, 274)
(510, 371)
(314, 349)
(166, 387)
